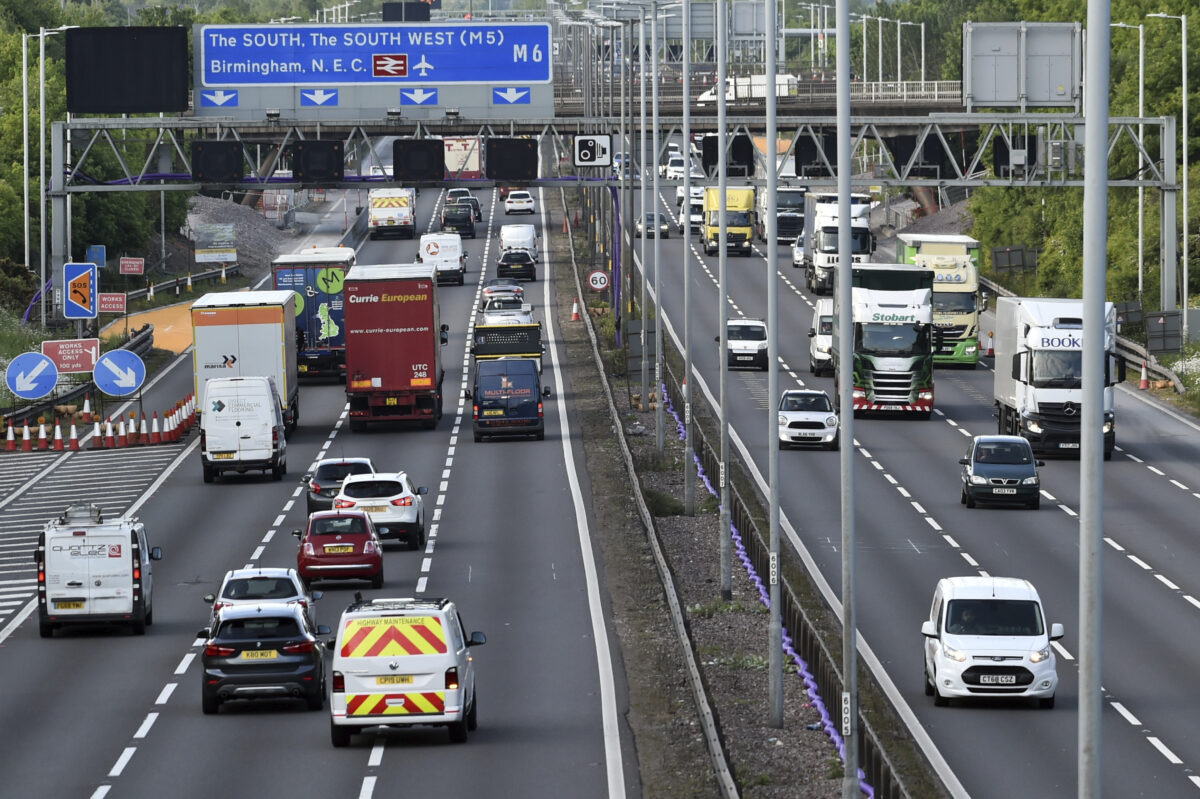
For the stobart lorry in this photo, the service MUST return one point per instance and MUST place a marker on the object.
(394, 339)
(820, 253)
(739, 220)
(315, 275)
(892, 315)
(1039, 368)
(954, 260)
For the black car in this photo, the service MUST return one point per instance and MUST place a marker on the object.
(460, 218)
(474, 203)
(263, 651)
(1001, 470)
(323, 483)
(518, 264)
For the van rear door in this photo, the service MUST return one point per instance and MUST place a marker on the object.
(396, 666)
(238, 420)
(507, 399)
(89, 574)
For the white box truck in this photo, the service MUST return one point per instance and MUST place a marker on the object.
(820, 253)
(247, 334)
(1039, 370)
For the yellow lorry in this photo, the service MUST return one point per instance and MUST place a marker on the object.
(739, 220)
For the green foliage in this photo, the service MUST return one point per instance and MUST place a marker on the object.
(17, 286)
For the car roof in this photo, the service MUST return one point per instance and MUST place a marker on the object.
(249, 610)
(519, 191)
(327, 461)
(800, 392)
(996, 439)
(977, 587)
(334, 514)
(748, 321)
(393, 604)
(362, 478)
(267, 571)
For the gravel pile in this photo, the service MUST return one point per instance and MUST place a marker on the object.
(258, 239)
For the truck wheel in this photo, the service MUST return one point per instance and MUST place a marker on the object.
(209, 473)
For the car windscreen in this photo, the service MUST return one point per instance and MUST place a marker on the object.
(987, 452)
(259, 588)
(826, 326)
(259, 627)
(341, 525)
(747, 333)
(336, 472)
(954, 301)
(373, 489)
(994, 617)
(805, 402)
(457, 212)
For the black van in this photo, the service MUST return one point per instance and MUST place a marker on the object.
(507, 396)
(460, 218)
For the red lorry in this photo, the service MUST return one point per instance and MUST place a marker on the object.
(394, 339)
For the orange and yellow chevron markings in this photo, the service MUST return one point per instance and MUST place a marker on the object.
(389, 202)
(396, 704)
(389, 636)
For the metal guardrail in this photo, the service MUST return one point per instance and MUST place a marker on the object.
(140, 342)
(179, 282)
(1133, 352)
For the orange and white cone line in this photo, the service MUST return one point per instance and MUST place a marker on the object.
(169, 428)
(73, 441)
(26, 441)
(97, 436)
(143, 432)
(87, 409)
(110, 439)
(155, 435)
(1144, 383)
(43, 443)
(991, 351)
(191, 412)
(11, 444)
(58, 439)
(122, 439)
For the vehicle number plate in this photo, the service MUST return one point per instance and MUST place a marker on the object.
(997, 679)
(222, 456)
(745, 357)
(334, 549)
(891, 408)
(1004, 490)
(1069, 445)
(374, 508)
(808, 435)
(68, 606)
(259, 654)
(391, 401)
(394, 679)
(496, 412)
(302, 368)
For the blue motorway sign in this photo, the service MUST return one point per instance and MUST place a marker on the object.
(375, 54)
(79, 301)
(95, 254)
(31, 375)
(511, 95)
(119, 372)
(418, 96)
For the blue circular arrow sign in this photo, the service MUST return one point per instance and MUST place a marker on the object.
(119, 372)
(31, 375)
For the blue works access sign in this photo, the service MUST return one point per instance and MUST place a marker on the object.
(325, 55)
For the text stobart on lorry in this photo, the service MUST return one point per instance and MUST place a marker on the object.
(394, 339)
(955, 261)
(1039, 371)
(316, 275)
(820, 253)
(739, 220)
(247, 334)
(391, 212)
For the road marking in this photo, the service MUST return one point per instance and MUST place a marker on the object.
(144, 730)
(1157, 471)
(368, 788)
(1125, 714)
(1062, 652)
(122, 761)
(1178, 484)
(183, 664)
(1166, 582)
(933, 523)
(258, 553)
(1140, 562)
(376, 752)
(1171, 757)
(950, 541)
(969, 559)
(165, 693)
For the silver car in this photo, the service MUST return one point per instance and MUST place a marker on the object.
(324, 482)
(255, 586)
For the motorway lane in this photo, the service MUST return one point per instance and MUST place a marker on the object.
(905, 583)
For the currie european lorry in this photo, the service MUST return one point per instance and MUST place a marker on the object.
(247, 334)
(821, 226)
(892, 313)
(1039, 368)
(394, 339)
(954, 259)
(739, 220)
(316, 275)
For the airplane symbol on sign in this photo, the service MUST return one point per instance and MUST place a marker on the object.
(423, 67)
(389, 66)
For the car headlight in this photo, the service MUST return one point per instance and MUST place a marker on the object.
(1030, 481)
(823, 348)
(971, 349)
(782, 420)
(978, 480)
(951, 653)
(831, 421)
(1032, 426)
(1040, 656)
(1108, 426)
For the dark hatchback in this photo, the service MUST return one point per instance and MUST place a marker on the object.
(460, 218)
(1001, 470)
(324, 483)
(476, 209)
(518, 264)
(266, 651)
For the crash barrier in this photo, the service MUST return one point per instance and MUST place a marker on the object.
(184, 281)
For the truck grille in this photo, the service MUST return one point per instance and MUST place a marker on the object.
(1067, 414)
(735, 238)
(892, 386)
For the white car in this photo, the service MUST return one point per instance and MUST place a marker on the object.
(806, 416)
(255, 586)
(453, 195)
(987, 637)
(395, 505)
(697, 192)
(519, 202)
(673, 169)
(747, 343)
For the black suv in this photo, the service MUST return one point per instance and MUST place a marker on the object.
(267, 651)
(516, 263)
(474, 203)
(459, 218)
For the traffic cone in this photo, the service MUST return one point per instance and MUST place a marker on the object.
(565, 227)
(110, 440)
(26, 443)
(169, 427)
(577, 220)
(11, 444)
(122, 439)
(1144, 383)
(58, 439)
(991, 352)
(155, 435)
(191, 412)
(43, 442)
(189, 281)
(87, 409)
(143, 432)
(575, 310)
(150, 292)
(73, 441)
(222, 273)
(97, 437)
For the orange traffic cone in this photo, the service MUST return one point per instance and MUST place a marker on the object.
(575, 310)
(26, 442)
(143, 432)
(11, 444)
(58, 439)
(87, 408)
(43, 442)
(1144, 383)
(73, 441)
(169, 428)
(155, 435)
(122, 439)
(565, 230)
(97, 436)
(991, 352)
(576, 220)
(110, 439)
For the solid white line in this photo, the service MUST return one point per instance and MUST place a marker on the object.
(1125, 714)
(1166, 582)
(144, 730)
(368, 788)
(165, 693)
(183, 664)
(376, 753)
(1171, 757)
(122, 761)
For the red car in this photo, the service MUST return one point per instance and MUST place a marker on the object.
(340, 545)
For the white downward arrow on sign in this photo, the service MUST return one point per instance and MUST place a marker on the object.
(419, 96)
(320, 96)
(28, 382)
(220, 97)
(511, 95)
(126, 378)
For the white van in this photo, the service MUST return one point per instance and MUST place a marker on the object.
(520, 237)
(444, 252)
(402, 662)
(820, 338)
(241, 428)
(94, 571)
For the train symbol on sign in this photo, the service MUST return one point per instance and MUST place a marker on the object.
(598, 280)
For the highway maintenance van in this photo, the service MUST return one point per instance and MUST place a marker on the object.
(390, 212)
(242, 428)
(402, 662)
(94, 571)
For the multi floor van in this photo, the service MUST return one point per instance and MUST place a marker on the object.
(507, 396)
(94, 571)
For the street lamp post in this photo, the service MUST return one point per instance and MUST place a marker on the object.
(1141, 29)
(42, 34)
(1184, 139)
(899, 25)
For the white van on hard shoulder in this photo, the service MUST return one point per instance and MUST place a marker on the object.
(402, 662)
(94, 571)
(242, 427)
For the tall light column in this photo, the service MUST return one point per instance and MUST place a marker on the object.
(723, 305)
(25, 125)
(659, 417)
(775, 626)
(1184, 139)
(689, 464)
(642, 201)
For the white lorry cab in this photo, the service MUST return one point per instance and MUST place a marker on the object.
(820, 338)
(242, 427)
(94, 571)
(520, 237)
(444, 252)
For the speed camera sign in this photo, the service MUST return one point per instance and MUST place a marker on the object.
(598, 280)
(595, 150)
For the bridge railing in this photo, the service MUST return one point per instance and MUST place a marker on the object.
(804, 93)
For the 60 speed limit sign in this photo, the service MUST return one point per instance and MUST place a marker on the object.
(598, 280)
